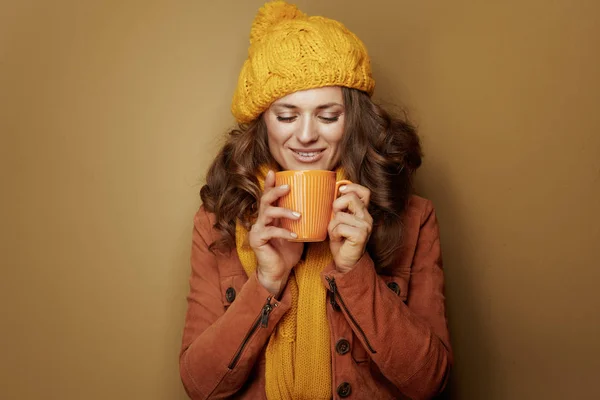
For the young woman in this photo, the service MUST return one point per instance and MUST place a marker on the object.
(361, 315)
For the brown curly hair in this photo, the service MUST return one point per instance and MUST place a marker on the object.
(380, 152)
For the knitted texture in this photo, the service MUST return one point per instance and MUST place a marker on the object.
(298, 359)
(290, 51)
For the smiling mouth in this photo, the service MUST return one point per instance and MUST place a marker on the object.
(307, 156)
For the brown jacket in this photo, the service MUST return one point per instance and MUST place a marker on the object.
(389, 336)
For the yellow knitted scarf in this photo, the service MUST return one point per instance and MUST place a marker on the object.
(298, 359)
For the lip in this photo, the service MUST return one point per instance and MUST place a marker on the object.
(316, 155)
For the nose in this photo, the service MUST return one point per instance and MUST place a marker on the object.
(308, 132)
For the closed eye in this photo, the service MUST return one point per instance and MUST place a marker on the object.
(286, 119)
(329, 120)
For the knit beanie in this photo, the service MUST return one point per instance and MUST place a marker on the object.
(290, 51)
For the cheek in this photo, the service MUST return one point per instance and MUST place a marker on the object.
(333, 134)
(277, 135)
(276, 139)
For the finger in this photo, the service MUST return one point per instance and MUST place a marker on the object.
(269, 181)
(271, 213)
(352, 220)
(273, 195)
(358, 210)
(345, 219)
(271, 232)
(363, 193)
(268, 187)
(352, 203)
(352, 235)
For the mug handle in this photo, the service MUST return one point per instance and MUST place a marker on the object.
(340, 183)
(337, 189)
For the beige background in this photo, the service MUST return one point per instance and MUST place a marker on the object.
(110, 112)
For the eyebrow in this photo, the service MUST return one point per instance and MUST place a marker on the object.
(321, 107)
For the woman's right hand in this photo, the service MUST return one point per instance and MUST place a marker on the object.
(275, 254)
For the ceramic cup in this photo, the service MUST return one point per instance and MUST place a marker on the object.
(312, 194)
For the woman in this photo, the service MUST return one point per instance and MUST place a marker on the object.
(361, 315)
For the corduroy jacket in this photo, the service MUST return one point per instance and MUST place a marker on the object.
(389, 335)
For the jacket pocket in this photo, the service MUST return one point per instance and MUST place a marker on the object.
(359, 353)
(261, 321)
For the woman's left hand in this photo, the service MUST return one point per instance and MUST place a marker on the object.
(351, 226)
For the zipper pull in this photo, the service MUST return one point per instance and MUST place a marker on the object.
(264, 315)
(333, 287)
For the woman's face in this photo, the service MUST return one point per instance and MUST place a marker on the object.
(305, 128)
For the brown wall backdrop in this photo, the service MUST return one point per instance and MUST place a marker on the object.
(110, 112)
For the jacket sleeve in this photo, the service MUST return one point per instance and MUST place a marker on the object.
(409, 342)
(220, 347)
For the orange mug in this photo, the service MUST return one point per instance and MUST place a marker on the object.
(312, 194)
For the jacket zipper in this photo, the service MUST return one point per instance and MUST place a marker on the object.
(262, 320)
(335, 294)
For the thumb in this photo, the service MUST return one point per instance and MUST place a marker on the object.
(269, 181)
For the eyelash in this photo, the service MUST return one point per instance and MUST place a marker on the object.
(286, 119)
(324, 119)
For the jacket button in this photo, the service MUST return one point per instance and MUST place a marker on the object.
(344, 389)
(342, 346)
(230, 294)
(394, 287)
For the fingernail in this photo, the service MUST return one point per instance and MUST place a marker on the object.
(284, 186)
(296, 214)
(293, 235)
(342, 188)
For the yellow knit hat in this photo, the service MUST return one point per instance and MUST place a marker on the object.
(290, 51)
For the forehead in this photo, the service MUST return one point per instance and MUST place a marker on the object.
(312, 98)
